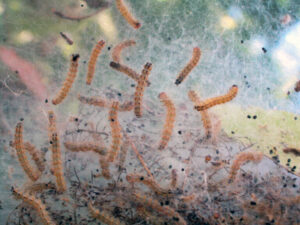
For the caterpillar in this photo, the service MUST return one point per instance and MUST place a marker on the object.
(127, 15)
(139, 92)
(40, 187)
(241, 159)
(36, 204)
(57, 164)
(92, 62)
(105, 167)
(294, 151)
(218, 100)
(95, 101)
(170, 119)
(164, 210)
(150, 182)
(116, 53)
(52, 123)
(35, 155)
(66, 38)
(85, 146)
(126, 70)
(115, 131)
(204, 114)
(188, 68)
(174, 178)
(19, 146)
(103, 216)
(61, 95)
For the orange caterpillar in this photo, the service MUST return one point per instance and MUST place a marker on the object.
(19, 146)
(218, 100)
(104, 217)
(294, 151)
(52, 124)
(115, 131)
(105, 168)
(116, 54)
(92, 63)
(163, 210)
(127, 15)
(241, 159)
(95, 101)
(139, 92)
(188, 68)
(204, 114)
(126, 70)
(35, 155)
(170, 119)
(36, 204)
(85, 147)
(68, 82)
(148, 181)
(40, 187)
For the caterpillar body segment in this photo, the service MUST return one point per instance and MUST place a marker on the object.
(105, 168)
(36, 204)
(85, 147)
(95, 101)
(65, 89)
(188, 68)
(116, 132)
(163, 210)
(231, 94)
(148, 181)
(22, 157)
(241, 159)
(116, 54)
(92, 62)
(204, 114)
(57, 164)
(103, 216)
(170, 119)
(35, 155)
(139, 92)
(127, 15)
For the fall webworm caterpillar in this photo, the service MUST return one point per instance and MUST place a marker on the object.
(127, 15)
(116, 53)
(103, 216)
(92, 62)
(61, 95)
(218, 100)
(95, 101)
(115, 131)
(36, 204)
(188, 68)
(35, 155)
(85, 147)
(139, 92)
(104, 167)
(19, 146)
(204, 114)
(170, 119)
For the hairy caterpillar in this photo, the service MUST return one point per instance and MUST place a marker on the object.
(85, 147)
(241, 159)
(36, 204)
(61, 95)
(294, 151)
(105, 167)
(35, 155)
(95, 101)
(115, 131)
(66, 38)
(127, 15)
(218, 100)
(19, 146)
(163, 210)
(92, 62)
(170, 119)
(104, 217)
(204, 114)
(40, 187)
(150, 182)
(188, 68)
(116, 54)
(56, 154)
(139, 92)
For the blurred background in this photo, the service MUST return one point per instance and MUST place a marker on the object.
(253, 44)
